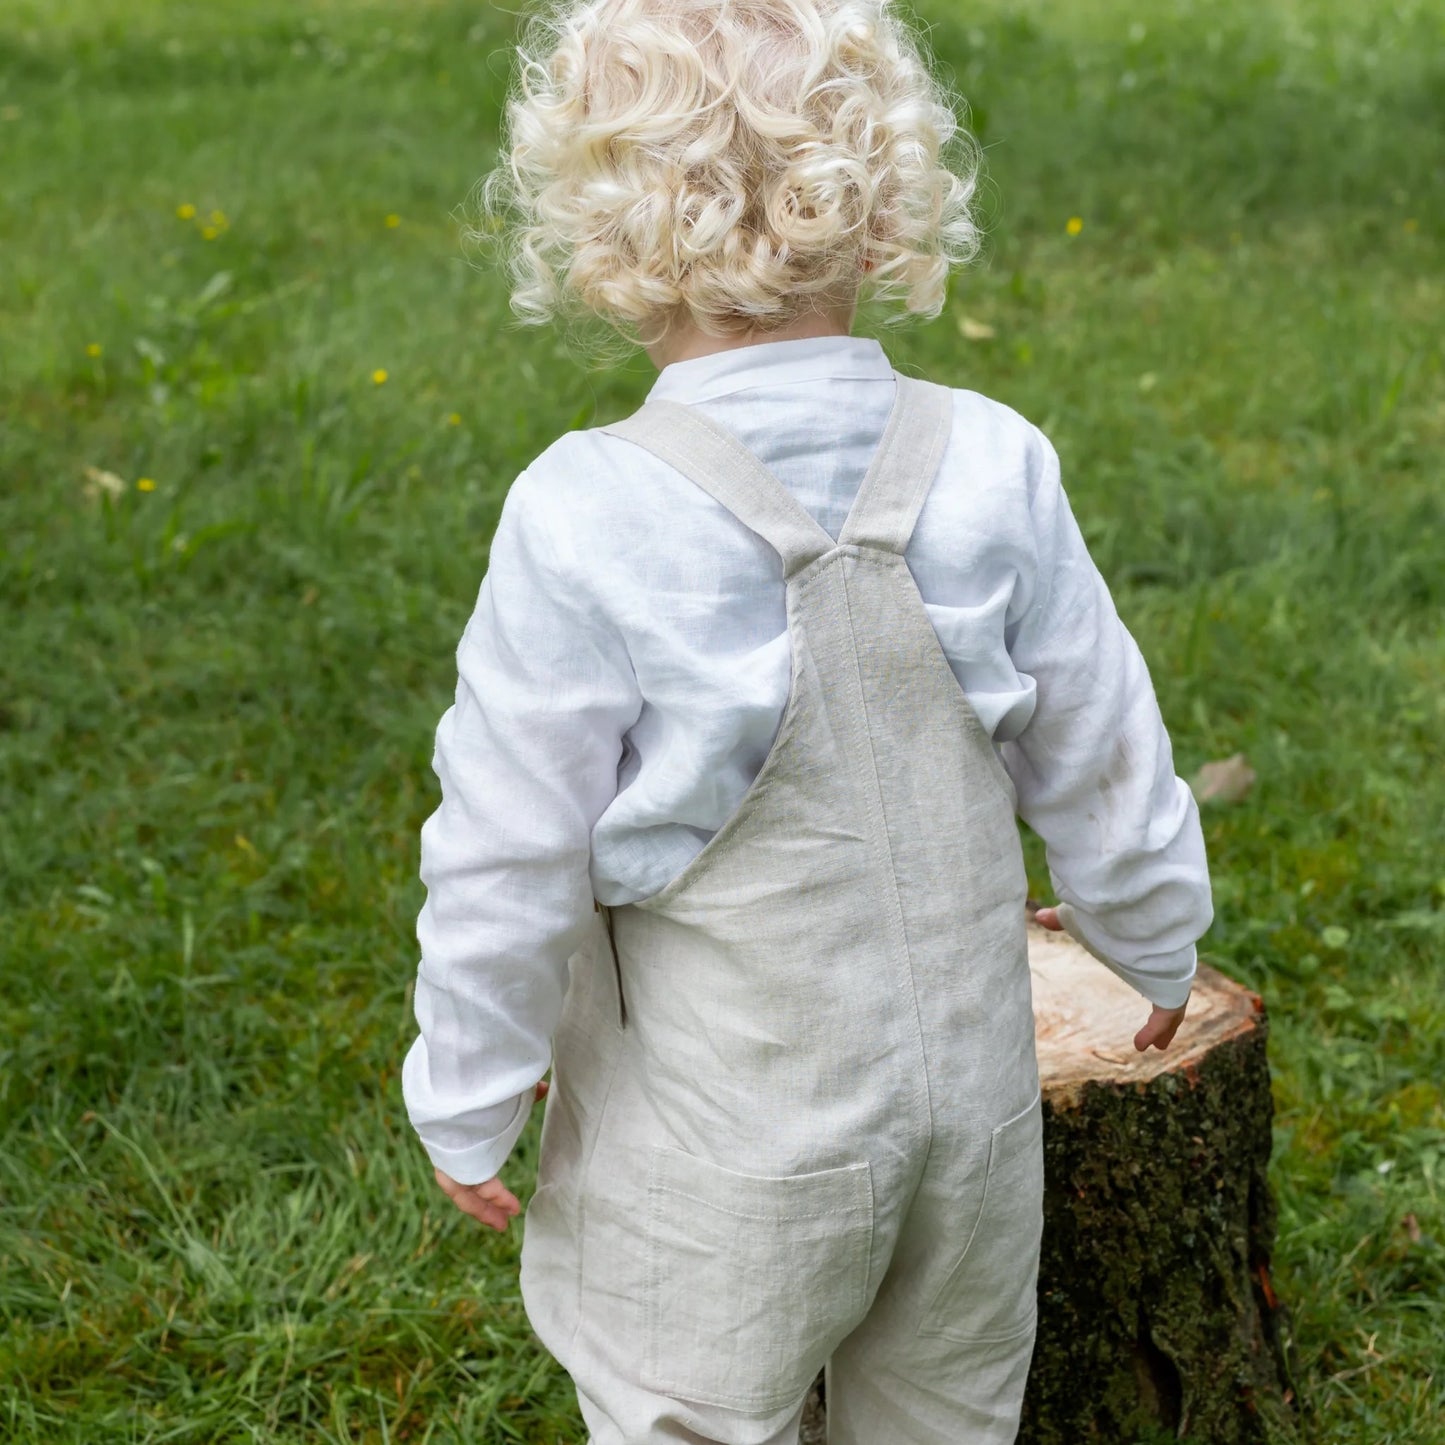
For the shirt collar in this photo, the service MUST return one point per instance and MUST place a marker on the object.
(771, 363)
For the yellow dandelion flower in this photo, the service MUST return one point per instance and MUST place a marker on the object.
(186, 211)
(209, 233)
(94, 349)
(379, 375)
(455, 419)
(1075, 225)
(1411, 226)
(218, 218)
(393, 221)
(145, 484)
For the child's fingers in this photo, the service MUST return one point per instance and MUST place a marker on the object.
(449, 1186)
(485, 1210)
(496, 1193)
(491, 1202)
(1048, 918)
(1160, 1030)
(479, 1209)
(1151, 1033)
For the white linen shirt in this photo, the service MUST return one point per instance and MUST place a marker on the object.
(624, 673)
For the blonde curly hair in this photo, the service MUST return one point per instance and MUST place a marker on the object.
(734, 162)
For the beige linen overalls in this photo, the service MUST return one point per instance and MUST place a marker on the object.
(795, 1110)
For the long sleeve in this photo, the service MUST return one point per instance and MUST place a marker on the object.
(527, 760)
(1094, 768)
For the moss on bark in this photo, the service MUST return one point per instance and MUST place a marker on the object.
(1157, 1318)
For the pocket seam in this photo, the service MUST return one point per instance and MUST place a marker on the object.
(741, 1214)
(994, 1162)
(1030, 1323)
(1022, 1113)
(669, 1167)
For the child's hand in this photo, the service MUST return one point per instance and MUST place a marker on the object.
(1162, 1026)
(1163, 1022)
(490, 1201)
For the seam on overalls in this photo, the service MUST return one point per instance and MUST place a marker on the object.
(700, 864)
(649, 1266)
(584, 1175)
(605, 909)
(1016, 1332)
(878, 816)
(744, 1214)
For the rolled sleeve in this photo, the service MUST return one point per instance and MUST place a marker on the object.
(475, 1162)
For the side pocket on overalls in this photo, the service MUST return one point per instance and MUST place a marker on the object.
(991, 1293)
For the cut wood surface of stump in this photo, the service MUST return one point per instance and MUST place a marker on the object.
(1156, 1310)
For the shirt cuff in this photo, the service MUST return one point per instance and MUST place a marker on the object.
(480, 1162)
(1163, 991)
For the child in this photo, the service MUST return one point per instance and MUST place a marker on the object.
(757, 681)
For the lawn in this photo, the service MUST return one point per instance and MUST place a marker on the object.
(259, 416)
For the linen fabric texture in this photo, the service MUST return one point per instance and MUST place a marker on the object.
(624, 674)
(795, 1118)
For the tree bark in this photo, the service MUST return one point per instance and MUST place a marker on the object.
(1157, 1316)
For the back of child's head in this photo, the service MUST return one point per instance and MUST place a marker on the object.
(732, 163)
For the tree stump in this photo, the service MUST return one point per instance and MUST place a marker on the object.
(1157, 1318)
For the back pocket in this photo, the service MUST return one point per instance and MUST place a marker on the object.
(991, 1293)
(752, 1279)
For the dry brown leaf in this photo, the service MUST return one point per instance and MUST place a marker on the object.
(102, 481)
(1226, 781)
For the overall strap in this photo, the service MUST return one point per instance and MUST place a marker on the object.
(722, 466)
(904, 466)
(888, 501)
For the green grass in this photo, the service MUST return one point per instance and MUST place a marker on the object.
(217, 697)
